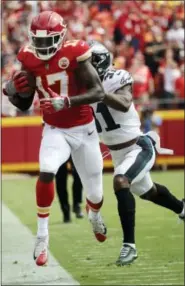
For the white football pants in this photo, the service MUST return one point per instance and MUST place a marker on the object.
(135, 162)
(82, 143)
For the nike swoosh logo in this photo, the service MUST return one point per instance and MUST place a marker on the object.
(89, 133)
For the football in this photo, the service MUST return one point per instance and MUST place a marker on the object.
(31, 82)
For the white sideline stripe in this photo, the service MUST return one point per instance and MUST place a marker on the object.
(18, 266)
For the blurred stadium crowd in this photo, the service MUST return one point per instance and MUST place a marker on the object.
(144, 37)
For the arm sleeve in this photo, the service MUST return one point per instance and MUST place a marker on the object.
(20, 55)
(24, 55)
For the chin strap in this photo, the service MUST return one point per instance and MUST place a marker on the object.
(156, 142)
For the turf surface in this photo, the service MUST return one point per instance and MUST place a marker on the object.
(160, 238)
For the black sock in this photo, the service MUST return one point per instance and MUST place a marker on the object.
(164, 198)
(126, 210)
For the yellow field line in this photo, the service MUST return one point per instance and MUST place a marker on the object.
(171, 114)
(34, 166)
(179, 160)
(22, 121)
(175, 160)
(13, 167)
(37, 120)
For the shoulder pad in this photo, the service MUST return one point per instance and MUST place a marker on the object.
(23, 52)
(80, 49)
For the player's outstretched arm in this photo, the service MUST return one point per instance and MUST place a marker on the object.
(121, 100)
(87, 74)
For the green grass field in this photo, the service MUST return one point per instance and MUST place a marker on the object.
(159, 236)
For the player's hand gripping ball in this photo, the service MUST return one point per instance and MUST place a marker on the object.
(24, 82)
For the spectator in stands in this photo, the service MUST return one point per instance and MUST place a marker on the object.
(125, 27)
(175, 35)
(171, 72)
(179, 88)
(143, 86)
(125, 50)
(65, 8)
(154, 51)
(149, 121)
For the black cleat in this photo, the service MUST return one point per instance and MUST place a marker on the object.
(77, 210)
(66, 220)
(66, 213)
(66, 217)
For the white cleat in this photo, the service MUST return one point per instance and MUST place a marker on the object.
(98, 225)
(40, 253)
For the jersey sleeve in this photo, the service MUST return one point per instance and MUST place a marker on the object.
(21, 55)
(25, 56)
(126, 78)
(82, 51)
(116, 79)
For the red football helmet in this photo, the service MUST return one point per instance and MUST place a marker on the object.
(46, 34)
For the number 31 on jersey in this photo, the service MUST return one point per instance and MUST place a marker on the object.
(109, 120)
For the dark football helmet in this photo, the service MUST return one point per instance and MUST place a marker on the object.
(101, 59)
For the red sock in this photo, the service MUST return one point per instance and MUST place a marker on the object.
(94, 207)
(44, 197)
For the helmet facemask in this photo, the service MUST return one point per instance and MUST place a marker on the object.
(101, 63)
(46, 46)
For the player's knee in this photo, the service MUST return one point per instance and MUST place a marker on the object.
(95, 197)
(120, 182)
(46, 177)
(94, 193)
(150, 195)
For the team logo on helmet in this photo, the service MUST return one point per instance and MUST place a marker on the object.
(63, 63)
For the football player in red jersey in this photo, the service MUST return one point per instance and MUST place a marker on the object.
(66, 83)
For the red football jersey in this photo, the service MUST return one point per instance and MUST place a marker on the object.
(59, 74)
